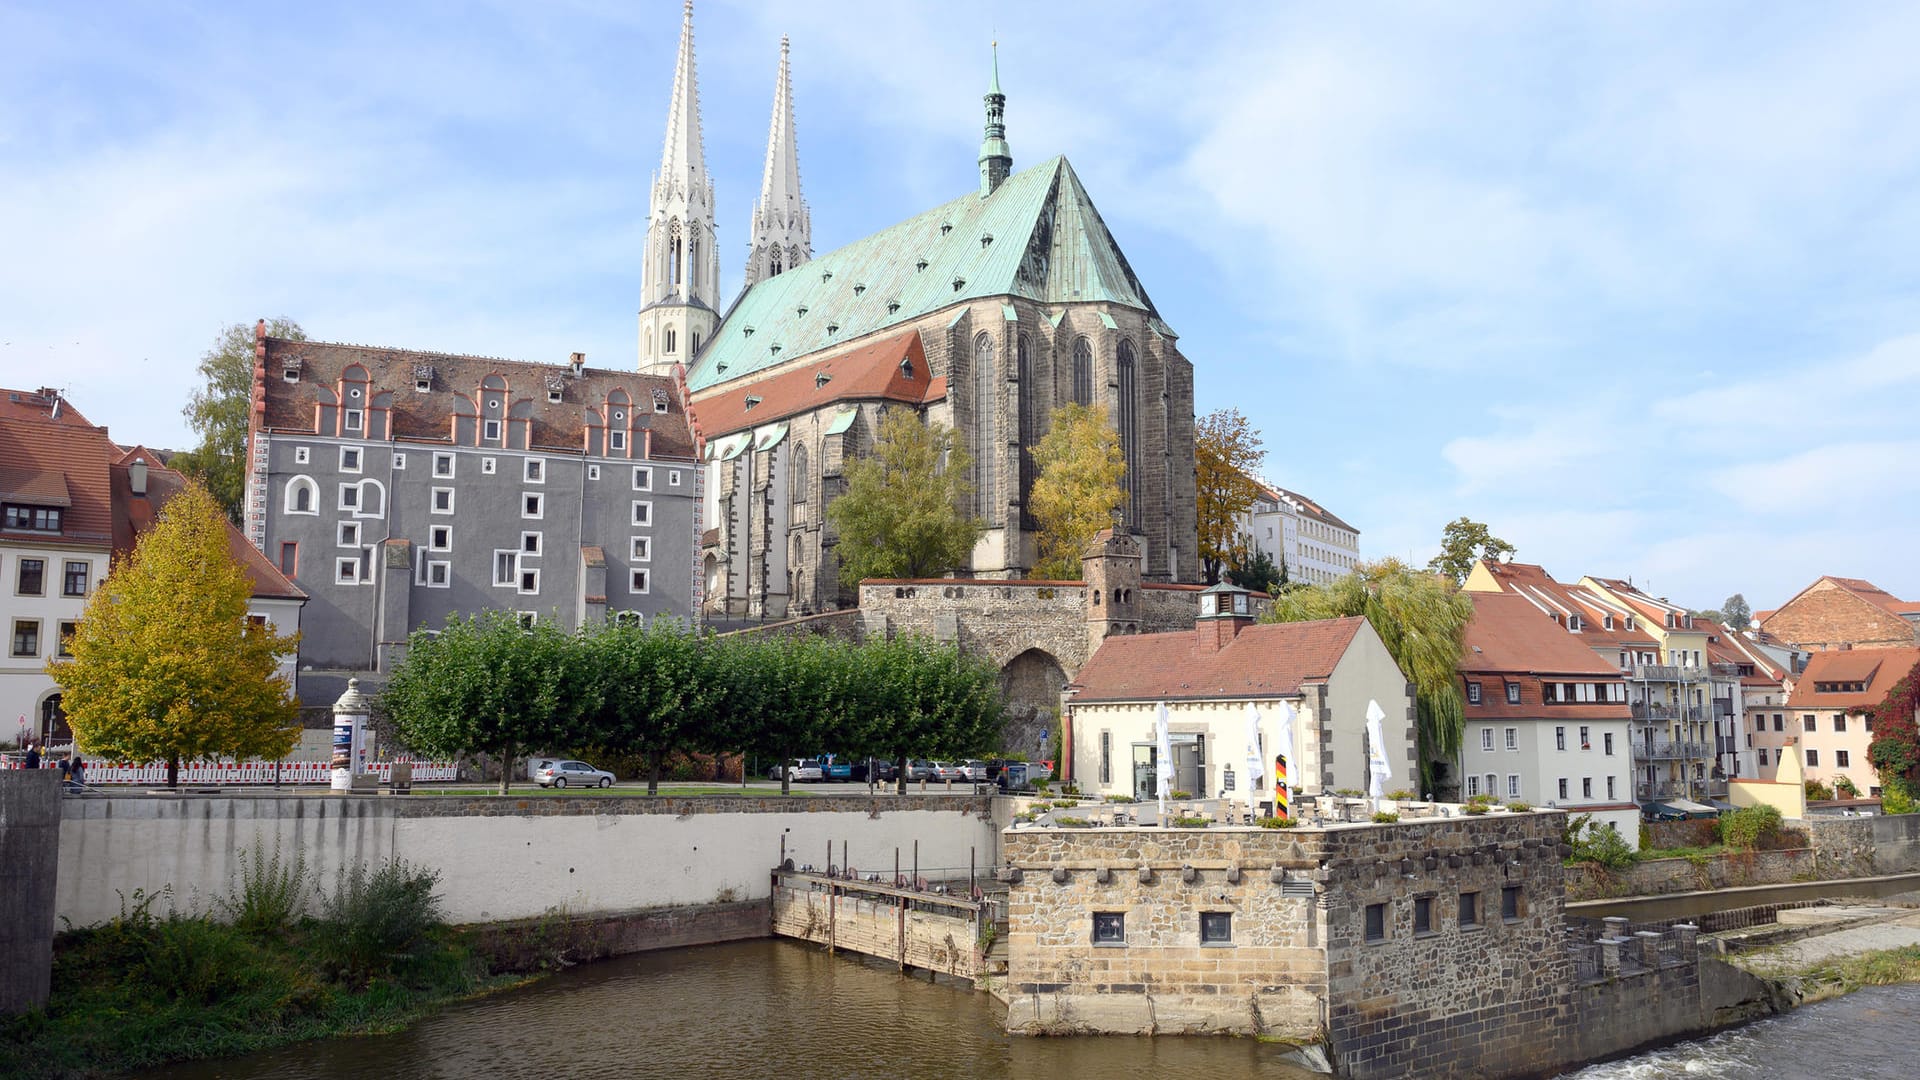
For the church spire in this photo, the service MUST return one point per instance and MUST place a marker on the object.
(996, 160)
(781, 233)
(680, 276)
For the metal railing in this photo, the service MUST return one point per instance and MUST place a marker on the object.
(1649, 711)
(1666, 673)
(1668, 750)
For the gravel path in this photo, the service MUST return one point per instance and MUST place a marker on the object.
(1799, 955)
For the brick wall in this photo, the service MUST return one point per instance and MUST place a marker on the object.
(1827, 616)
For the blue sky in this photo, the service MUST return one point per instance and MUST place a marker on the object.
(1636, 284)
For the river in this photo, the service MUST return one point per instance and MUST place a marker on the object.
(771, 1008)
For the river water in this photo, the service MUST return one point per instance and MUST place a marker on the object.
(772, 1008)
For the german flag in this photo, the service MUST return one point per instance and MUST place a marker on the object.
(1280, 793)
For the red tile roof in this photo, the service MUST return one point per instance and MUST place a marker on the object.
(1556, 599)
(65, 465)
(45, 404)
(871, 372)
(1262, 661)
(1313, 509)
(1875, 595)
(1509, 634)
(428, 416)
(134, 515)
(1879, 669)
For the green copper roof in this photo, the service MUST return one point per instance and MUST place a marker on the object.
(1038, 236)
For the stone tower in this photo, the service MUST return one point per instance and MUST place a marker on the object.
(780, 236)
(996, 160)
(680, 278)
(1110, 566)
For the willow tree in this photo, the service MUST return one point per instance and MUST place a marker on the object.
(166, 664)
(904, 514)
(1079, 487)
(1226, 455)
(1421, 617)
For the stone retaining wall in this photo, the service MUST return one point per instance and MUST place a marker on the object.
(1658, 877)
(560, 939)
(888, 927)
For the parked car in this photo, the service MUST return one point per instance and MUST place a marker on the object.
(835, 769)
(974, 769)
(799, 771)
(920, 769)
(949, 770)
(560, 774)
(883, 770)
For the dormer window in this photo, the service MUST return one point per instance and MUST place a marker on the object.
(858, 289)
(422, 378)
(553, 396)
(959, 283)
(354, 420)
(746, 331)
(556, 388)
(1629, 622)
(920, 265)
(800, 311)
(773, 350)
(290, 369)
(33, 518)
(826, 275)
(820, 379)
(1573, 623)
(660, 402)
(945, 228)
(906, 368)
(751, 402)
(1606, 622)
(833, 328)
(893, 306)
(986, 240)
(1670, 620)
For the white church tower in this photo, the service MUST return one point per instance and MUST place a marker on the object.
(781, 234)
(680, 279)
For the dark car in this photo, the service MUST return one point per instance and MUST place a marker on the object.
(881, 769)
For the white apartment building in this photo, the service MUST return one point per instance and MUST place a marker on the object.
(1315, 546)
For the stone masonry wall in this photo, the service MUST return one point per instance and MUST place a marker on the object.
(876, 926)
(1659, 877)
(1828, 616)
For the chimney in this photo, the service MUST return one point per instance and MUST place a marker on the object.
(577, 361)
(137, 476)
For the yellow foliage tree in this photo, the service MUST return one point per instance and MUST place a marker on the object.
(1226, 454)
(166, 665)
(1078, 489)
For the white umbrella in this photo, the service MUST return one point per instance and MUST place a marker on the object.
(1253, 755)
(1283, 763)
(1163, 768)
(1377, 751)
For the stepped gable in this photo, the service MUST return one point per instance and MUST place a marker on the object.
(1038, 236)
(1262, 660)
(427, 417)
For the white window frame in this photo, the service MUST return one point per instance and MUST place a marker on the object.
(539, 500)
(486, 466)
(302, 455)
(643, 478)
(346, 529)
(1473, 785)
(434, 505)
(1513, 785)
(399, 461)
(353, 420)
(490, 430)
(1473, 693)
(512, 577)
(439, 538)
(441, 458)
(359, 460)
(346, 503)
(1513, 738)
(639, 580)
(616, 440)
(593, 472)
(522, 583)
(445, 569)
(538, 543)
(346, 571)
(361, 510)
(294, 484)
(642, 513)
(1486, 738)
(640, 549)
(673, 477)
(533, 470)
(1563, 789)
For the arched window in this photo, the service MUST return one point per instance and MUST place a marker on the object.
(695, 351)
(984, 406)
(693, 260)
(1129, 419)
(797, 478)
(669, 338)
(1082, 372)
(673, 254)
(649, 341)
(303, 496)
(1029, 419)
(773, 265)
(373, 499)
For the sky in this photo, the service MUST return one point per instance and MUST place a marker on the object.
(1635, 284)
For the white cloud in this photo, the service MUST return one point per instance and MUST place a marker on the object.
(1856, 478)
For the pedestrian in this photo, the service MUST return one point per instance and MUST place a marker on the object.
(66, 770)
(33, 758)
(79, 773)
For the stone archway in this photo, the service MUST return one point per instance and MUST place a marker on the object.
(1031, 683)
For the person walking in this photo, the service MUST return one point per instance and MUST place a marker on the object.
(33, 758)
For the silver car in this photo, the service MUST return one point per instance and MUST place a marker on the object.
(560, 774)
(974, 769)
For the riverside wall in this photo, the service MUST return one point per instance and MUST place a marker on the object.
(29, 841)
(504, 859)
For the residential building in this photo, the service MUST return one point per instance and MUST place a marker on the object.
(401, 488)
(1750, 687)
(1839, 613)
(1327, 671)
(73, 501)
(1829, 708)
(1312, 543)
(1547, 719)
(983, 314)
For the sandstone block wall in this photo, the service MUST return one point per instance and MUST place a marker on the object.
(885, 927)
(1658, 877)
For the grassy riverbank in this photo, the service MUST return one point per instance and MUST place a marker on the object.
(1845, 974)
(145, 989)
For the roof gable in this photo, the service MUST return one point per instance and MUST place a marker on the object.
(1265, 660)
(1510, 633)
(877, 371)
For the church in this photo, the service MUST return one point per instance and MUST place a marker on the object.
(983, 314)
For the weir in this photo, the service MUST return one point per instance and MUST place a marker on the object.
(947, 928)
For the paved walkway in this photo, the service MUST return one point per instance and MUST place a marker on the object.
(1794, 956)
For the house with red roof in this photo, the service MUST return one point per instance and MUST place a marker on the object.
(1841, 613)
(1547, 718)
(1327, 671)
(1828, 711)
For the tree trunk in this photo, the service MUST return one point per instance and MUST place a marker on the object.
(653, 771)
(506, 768)
(173, 772)
(900, 777)
(786, 776)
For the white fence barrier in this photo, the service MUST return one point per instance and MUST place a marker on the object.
(250, 773)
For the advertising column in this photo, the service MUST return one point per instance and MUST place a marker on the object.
(350, 716)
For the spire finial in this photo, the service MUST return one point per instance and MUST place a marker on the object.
(780, 237)
(996, 160)
(994, 86)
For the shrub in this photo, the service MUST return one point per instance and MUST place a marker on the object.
(1818, 792)
(1402, 793)
(1040, 786)
(1474, 808)
(1596, 843)
(1481, 800)
(1383, 817)
(1070, 789)
(1276, 823)
(1519, 807)
(379, 918)
(1896, 801)
(272, 894)
(1845, 788)
(1120, 798)
(1179, 794)
(1350, 792)
(1749, 827)
(1191, 822)
(1072, 822)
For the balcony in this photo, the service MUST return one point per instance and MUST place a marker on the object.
(1653, 711)
(1669, 750)
(1666, 673)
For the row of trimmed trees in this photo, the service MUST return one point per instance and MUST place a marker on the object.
(487, 684)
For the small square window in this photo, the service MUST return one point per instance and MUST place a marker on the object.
(486, 466)
(302, 455)
(1376, 927)
(440, 538)
(527, 619)
(1423, 914)
(530, 543)
(354, 420)
(443, 464)
(529, 581)
(639, 580)
(1109, 928)
(349, 496)
(63, 645)
(532, 504)
(616, 440)
(642, 549)
(443, 500)
(349, 534)
(350, 459)
(593, 472)
(1469, 909)
(673, 477)
(1216, 927)
(642, 478)
(642, 513)
(491, 431)
(26, 637)
(399, 463)
(553, 397)
(439, 574)
(1510, 903)
(346, 571)
(535, 470)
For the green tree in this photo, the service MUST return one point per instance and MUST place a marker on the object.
(651, 685)
(1421, 618)
(903, 514)
(1079, 488)
(1257, 573)
(488, 684)
(1463, 543)
(166, 665)
(1226, 455)
(218, 412)
(1735, 613)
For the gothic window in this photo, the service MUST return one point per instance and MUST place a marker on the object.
(1130, 428)
(797, 479)
(673, 254)
(1082, 372)
(983, 410)
(773, 267)
(1029, 406)
(693, 261)
(670, 337)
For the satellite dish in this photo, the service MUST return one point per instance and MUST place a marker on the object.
(1506, 557)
